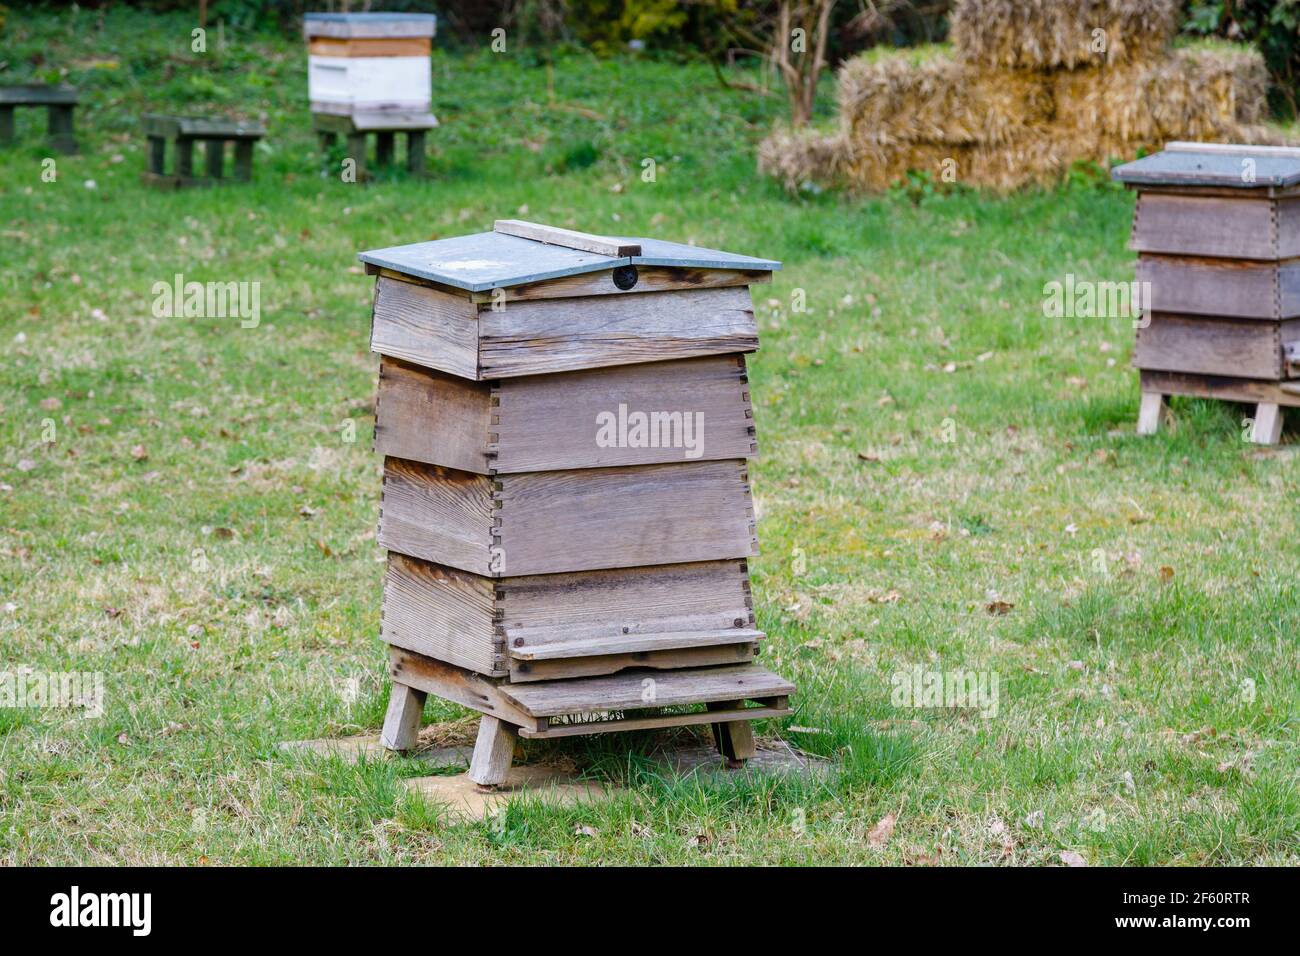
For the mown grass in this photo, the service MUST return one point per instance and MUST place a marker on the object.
(202, 533)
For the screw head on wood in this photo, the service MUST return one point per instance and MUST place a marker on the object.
(738, 622)
(625, 277)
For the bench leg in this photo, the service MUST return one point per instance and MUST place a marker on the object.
(1268, 423)
(184, 160)
(244, 159)
(402, 722)
(357, 153)
(60, 127)
(415, 152)
(214, 150)
(157, 154)
(384, 149)
(735, 738)
(327, 139)
(6, 125)
(493, 751)
(1150, 412)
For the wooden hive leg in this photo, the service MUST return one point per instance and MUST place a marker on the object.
(402, 722)
(213, 151)
(1268, 423)
(157, 154)
(244, 159)
(734, 738)
(384, 148)
(415, 152)
(184, 160)
(60, 128)
(1150, 412)
(357, 152)
(6, 125)
(327, 139)
(492, 752)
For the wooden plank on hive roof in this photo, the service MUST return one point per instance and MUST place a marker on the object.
(627, 691)
(568, 238)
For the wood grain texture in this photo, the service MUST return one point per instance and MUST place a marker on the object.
(1240, 288)
(1244, 228)
(548, 730)
(557, 335)
(649, 279)
(667, 659)
(437, 514)
(402, 720)
(1221, 387)
(455, 684)
(1241, 348)
(559, 521)
(1288, 228)
(550, 422)
(630, 691)
(493, 750)
(427, 327)
(632, 643)
(442, 612)
(568, 238)
(433, 417)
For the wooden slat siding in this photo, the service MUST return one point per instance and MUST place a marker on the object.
(1243, 228)
(521, 672)
(531, 338)
(1239, 288)
(455, 684)
(551, 731)
(553, 608)
(427, 327)
(437, 514)
(370, 46)
(442, 612)
(549, 422)
(1241, 348)
(631, 643)
(624, 517)
(432, 417)
(1288, 228)
(625, 691)
(568, 238)
(649, 279)
(1220, 387)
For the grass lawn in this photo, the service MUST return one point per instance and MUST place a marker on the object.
(948, 480)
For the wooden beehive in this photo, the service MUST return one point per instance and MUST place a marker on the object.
(1217, 232)
(565, 421)
(369, 62)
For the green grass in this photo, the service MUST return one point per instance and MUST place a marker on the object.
(225, 621)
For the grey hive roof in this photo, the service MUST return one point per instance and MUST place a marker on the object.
(488, 260)
(347, 25)
(1200, 164)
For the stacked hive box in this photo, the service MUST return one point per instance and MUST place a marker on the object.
(1217, 232)
(565, 420)
(370, 73)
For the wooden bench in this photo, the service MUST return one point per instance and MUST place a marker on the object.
(59, 102)
(385, 124)
(183, 132)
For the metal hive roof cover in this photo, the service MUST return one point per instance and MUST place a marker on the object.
(1213, 164)
(369, 24)
(488, 260)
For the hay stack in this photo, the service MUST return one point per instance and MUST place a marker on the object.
(1006, 125)
(925, 95)
(1047, 34)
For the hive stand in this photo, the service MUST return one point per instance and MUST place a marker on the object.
(385, 126)
(1217, 232)
(183, 132)
(554, 582)
(59, 102)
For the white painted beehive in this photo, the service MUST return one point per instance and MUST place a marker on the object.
(366, 62)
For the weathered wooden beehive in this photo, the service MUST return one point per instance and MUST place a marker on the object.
(565, 421)
(1217, 232)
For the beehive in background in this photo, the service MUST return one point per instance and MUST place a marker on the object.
(366, 62)
(1217, 232)
(566, 423)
